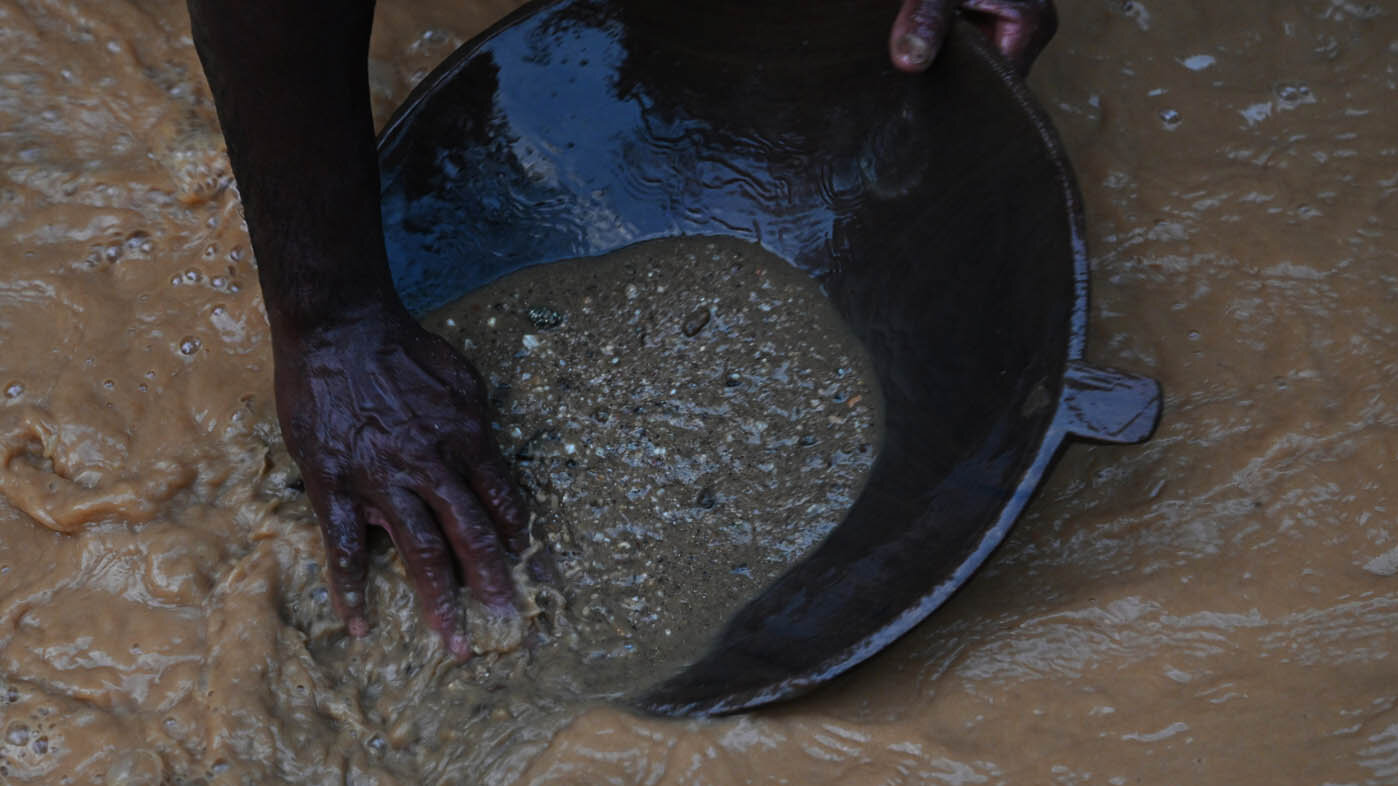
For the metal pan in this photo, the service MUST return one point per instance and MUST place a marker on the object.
(938, 212)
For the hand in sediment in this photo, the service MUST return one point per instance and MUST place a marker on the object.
(389, 425)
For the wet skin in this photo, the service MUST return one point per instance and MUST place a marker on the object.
(1018, 28)
(388, 423)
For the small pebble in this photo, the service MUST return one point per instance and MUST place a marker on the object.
(707, 498)
(696, 322)
(544, 318)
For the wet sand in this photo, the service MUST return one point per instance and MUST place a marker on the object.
(688, 418)
(1218, 606)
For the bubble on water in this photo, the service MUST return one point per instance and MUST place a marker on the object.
(1292, 94)
(193, 276)
(14, 390)
(1170, 119)
(189, 345)
(41, 745)
(17, 735)
(139, 241)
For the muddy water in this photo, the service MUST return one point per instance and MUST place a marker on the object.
(1219, 606)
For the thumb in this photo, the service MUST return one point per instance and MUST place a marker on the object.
(918, 32)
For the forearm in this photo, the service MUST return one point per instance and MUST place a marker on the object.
(289, 79)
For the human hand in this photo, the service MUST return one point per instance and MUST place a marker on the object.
(389, 426)
(1018, 28)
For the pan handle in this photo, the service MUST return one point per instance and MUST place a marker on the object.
(1108, 405)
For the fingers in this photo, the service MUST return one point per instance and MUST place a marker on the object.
(428, 563)
(345, 554)
(1018, 28)
(496, 489)
(918, 32)
(478, 548)
(474, 450)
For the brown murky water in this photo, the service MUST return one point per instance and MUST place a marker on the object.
(1219, 606)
